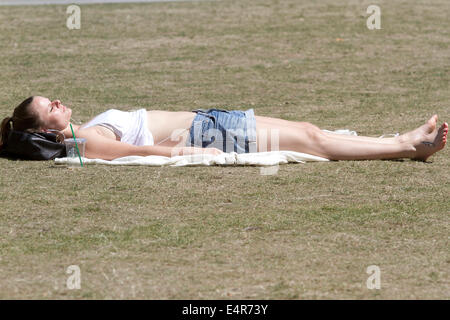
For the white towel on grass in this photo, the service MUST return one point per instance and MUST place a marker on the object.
(269, 158)
(231, 158)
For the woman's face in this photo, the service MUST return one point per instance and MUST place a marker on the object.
(53, 114)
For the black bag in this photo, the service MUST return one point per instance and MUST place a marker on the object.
(33, 146)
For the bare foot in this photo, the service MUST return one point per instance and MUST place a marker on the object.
(427, 143)
(418, 133)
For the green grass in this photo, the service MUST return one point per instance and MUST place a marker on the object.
(308, 232)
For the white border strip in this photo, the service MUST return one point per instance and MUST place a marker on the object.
(66, 2)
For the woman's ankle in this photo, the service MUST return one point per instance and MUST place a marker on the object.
(409, 149)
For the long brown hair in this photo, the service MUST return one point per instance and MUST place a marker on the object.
(23, 119)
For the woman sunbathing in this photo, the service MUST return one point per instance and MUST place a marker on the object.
(116, 133)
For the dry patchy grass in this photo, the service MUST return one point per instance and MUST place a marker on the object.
(310, 231)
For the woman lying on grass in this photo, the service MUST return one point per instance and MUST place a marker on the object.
(114, 134)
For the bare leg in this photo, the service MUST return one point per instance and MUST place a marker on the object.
(428, 127)
(299, 125)
(392, 140)
(307, 138)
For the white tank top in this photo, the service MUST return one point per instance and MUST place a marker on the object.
(130, 126)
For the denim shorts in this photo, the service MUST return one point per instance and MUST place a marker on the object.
(229, 131)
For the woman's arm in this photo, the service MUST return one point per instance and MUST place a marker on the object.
(178, 151)
(100, 147)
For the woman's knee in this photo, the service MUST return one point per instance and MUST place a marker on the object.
(313, 132)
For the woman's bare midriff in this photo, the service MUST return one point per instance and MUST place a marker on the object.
(169, 128)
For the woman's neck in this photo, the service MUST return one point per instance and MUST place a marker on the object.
(68, 132)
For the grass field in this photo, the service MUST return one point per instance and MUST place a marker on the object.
(308, 232)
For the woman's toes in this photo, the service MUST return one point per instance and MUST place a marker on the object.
(431, 124)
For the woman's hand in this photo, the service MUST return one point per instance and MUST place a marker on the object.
(213, 151)
(184, 151)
